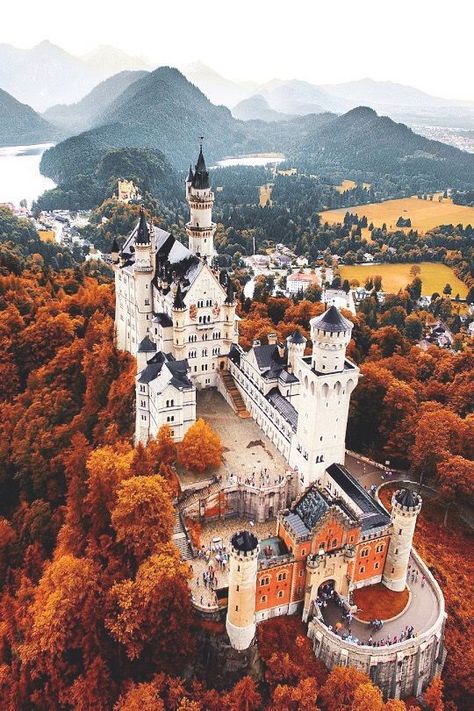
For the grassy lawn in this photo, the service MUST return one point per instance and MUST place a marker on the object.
(396, 276)
(424, 214)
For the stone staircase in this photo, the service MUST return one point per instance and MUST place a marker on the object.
(192, 497)
(180, 539)
(234, 394)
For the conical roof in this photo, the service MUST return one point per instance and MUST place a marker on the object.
(143, 233)
(200, 179)
(332, 320)
(297, 337)
(178, 299)
(230, 291)
(189, 179)
(408, 498)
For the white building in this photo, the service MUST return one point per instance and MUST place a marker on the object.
(298, 282)
(340, 299)
(176, 314)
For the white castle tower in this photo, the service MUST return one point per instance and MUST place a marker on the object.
(296, 344)
(406, 506)
(240, 622)
(327, 380)
(143, 277)
(200, 228)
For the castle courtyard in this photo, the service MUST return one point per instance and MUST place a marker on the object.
(215, 545)
(247, 451)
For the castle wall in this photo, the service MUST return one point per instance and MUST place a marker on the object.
(243, 500)
(400, 670)
(266, 416)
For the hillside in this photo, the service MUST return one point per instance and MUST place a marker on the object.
(20, 125)
(164, 111)
(363, 141)
(44, 75)
(256, 108)
(161, 110)
(78, 117)
(173, 113)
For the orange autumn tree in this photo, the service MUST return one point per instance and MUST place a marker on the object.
(143, 517)
(243, 697)
(201, 448)
(433, 696)
(151, 615)
(342, 684)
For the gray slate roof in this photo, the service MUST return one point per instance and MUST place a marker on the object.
(332, 320)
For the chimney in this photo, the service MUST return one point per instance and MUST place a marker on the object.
(272, 339)
(281, 350)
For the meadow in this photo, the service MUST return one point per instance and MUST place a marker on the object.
(396, 276)
(424, 214)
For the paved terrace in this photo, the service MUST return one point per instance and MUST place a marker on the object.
(247, 451)
(215, 540)
(421, 613)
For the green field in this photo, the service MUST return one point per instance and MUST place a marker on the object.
(396, 276)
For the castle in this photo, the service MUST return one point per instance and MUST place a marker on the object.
(177, 314)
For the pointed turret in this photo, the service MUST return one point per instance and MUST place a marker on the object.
(200, 179)
(189, 179)
(143, 232)
(178, 302)
(114, 252)
(230, 292)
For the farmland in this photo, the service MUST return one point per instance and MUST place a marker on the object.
(396, 276)
(424, 214)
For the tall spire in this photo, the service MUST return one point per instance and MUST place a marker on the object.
(230, 291)
(178, 298)
(143, 233)
(200, 179)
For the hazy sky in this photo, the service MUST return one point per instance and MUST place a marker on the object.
(428, 44)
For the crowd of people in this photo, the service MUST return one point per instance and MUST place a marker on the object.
(342, 628)
(261, 479)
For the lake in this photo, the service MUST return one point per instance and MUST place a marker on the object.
(252, 159)
(19, 173)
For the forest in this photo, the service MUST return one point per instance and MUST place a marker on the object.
(95, 610)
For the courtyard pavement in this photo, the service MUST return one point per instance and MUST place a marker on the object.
(215, 540)
(421, 613)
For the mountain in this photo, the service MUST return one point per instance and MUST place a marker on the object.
(217, 88)
(78, 117)
(380, 94)
(300, 97)
(360, 140)
(20, 124)
(44, 75)
(169, 112)
(165, 112)
(106, 61)
(256, 108)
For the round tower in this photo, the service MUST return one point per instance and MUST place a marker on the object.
(200, 228)
(179, 314)
(296, 344)
(240, 622)
(143, 272)
(406, 506)
(330, 333)
(228, 310)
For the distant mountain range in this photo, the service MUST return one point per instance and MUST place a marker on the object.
(46, 74)
(164, 111)
(78, 117)
(257, 108)
(295, 97)
(20, 125)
